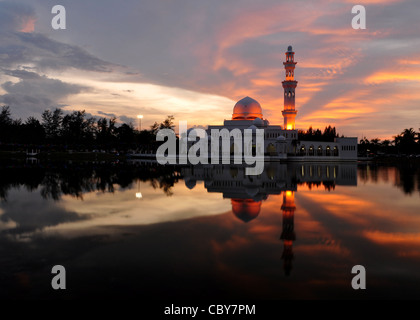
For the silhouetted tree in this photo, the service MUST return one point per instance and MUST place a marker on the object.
(329, 134)
(34, 132)
(406, 141)
(76, 130)
(52, 121)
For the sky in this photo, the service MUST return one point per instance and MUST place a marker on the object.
(195, 58)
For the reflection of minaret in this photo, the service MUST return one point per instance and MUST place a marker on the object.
(288, 234)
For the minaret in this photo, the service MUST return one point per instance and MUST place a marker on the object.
(289, 112)
(288, 234)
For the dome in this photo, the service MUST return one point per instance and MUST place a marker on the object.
(247, 109)
(289, 49)
(190, 184)
(258, 122)
(252, 191)
(281, 138)
(253, 128)
(246, 209)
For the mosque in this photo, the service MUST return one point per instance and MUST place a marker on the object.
(281, 142)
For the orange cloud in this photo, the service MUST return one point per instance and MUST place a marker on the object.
(28, 25)
(393, 238)
(385, 76)
(364, 2)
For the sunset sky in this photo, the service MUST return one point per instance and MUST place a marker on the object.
(195, 58)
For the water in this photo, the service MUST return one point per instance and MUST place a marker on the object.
(137, 230)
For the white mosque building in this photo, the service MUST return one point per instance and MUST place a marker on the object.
(281, 142)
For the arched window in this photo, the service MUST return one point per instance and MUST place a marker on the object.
(335, 151)
(302, 150)
(319, 151)
(311, 151)
(271, 150)
(328, 151)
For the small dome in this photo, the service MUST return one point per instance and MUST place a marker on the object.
(247, 109)
(289, 49)
(190, 183)
(253, 128)
(258, 122)
(246, 209)
(252, 191)
(281, 138)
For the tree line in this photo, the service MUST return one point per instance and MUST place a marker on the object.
(75, 131)
(406, 143)
(328, 135)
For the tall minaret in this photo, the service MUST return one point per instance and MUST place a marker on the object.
(288, 234)
(289, 112)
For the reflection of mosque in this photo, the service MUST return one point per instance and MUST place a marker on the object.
(248, 192)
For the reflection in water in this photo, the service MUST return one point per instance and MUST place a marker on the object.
(77, 179)
(220, 233)
(288, 234)
(404, 176)
(248, 192)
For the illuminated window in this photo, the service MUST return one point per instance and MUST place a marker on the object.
(311, 151)
(319, 151)
(328, 151)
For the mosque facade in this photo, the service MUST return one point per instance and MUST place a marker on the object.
(281, 141)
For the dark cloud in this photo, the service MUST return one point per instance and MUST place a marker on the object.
(34, 93)
(46, 54)
(32, 213)
(52, 54)
(123, 118)
(126, 119)
(27, 56)
(22, 74)
(112, 115)
(14, 16)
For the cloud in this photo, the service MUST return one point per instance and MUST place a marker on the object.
(111, 115)
(16, 17)
(228, 50)
(46, 54)
(31, 213)
(34, 93)
(127, 119)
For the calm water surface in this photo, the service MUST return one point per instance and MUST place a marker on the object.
(136, 230)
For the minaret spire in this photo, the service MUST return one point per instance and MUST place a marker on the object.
(289, 85)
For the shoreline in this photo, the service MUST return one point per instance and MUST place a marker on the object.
(99, 156)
